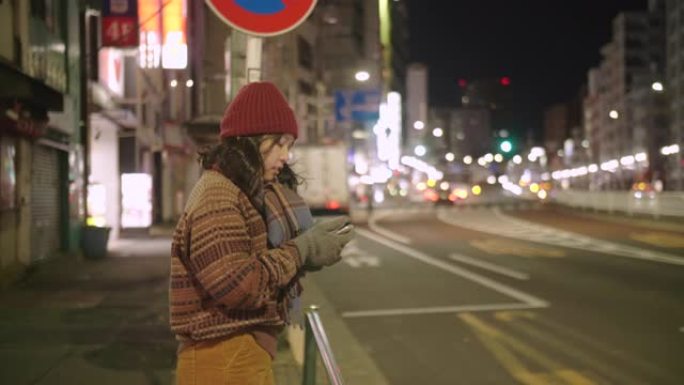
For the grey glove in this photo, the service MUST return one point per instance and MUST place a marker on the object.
(322, 244)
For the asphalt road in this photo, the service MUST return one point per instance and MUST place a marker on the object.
(496, 296)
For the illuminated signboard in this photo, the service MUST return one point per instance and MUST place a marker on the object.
(120, 23)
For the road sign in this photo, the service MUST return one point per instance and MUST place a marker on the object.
(262, 17)
(120, 23)
(357, 105)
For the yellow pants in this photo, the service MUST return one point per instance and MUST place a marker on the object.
(237, 361)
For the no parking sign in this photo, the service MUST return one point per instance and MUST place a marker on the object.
(262, 17)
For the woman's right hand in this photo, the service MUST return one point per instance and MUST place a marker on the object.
(322, 244)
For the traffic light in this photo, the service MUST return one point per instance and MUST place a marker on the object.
(506, 146)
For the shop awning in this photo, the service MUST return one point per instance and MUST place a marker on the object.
(18, 85)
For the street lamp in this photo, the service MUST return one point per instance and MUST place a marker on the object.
(613, 114)
(362, 76)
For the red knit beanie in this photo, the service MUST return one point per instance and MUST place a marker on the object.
(259, 108)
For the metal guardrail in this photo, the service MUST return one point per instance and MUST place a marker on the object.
(315, 339)
(657, 204)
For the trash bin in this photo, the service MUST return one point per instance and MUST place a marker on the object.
(94, 241)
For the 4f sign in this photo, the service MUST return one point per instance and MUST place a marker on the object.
(262, 17)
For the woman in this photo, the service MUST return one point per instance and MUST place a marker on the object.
(229, 289)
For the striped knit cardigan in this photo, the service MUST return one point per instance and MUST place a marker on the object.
(227, 281)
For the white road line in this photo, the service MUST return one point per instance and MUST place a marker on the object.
(582, 242)
(484, 281)
(437, 310)
(490, 266)
(389, 234)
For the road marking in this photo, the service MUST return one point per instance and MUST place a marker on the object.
(507, 226)
(372, 224)
(437, 310)
(509, 316)
(490, 266)
(353, 256)
(528, 324)
(660, 239)
(503, 347)
(357, 261)
(517, 248)
(528, 301)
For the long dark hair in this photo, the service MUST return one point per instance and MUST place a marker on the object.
(239, 159)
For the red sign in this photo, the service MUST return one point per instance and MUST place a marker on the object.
(119, 31)
(262, 17)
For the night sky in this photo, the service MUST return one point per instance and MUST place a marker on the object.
(545, 47)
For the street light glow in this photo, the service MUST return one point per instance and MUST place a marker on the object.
(467, 159)
(613, 114)
(418, 125)
(657, 87)
(517, 159)
(173, 83)
(189, 83)
(419, 150)
(437, 132)
(362, 76)
(450, 156)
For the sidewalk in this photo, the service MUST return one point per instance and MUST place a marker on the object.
(74, 321)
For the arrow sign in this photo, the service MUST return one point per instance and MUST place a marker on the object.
(262, 17)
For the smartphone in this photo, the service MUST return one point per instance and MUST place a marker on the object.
(344, 228)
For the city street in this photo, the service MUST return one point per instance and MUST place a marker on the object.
(462, 296)
(488, 294)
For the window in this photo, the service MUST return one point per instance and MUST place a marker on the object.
(305, 53)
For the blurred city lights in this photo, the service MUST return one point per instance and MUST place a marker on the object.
(467, 159)
(419, 150)
(418, 125)
(627, 160)
(517, 159)
(498, 158)
(613, 114)
(491, 179)
(476, 189)
(450, 156)
(669, 150)
(437, 132)
(173, 83)
(657, 86)
(189, 83)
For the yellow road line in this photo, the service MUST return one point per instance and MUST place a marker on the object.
(499, 343)
(520, 249)
(659, 239)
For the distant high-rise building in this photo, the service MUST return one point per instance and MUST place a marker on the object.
(470, 132)
(674, 87)
(616, 88)
(495, 95)
(416, 105)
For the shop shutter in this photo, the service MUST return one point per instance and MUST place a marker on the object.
(45, 207)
